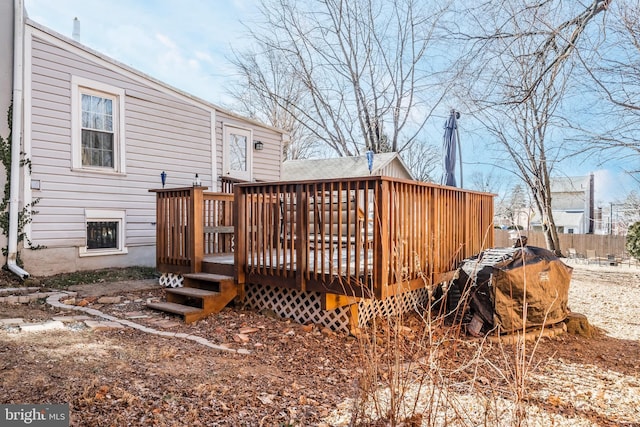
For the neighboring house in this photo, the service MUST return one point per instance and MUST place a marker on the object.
(98, 134)
(572, 204)
(384, 164)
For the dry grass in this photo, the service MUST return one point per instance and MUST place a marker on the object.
(420, 370)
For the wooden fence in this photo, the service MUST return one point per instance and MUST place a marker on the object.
(603, 245)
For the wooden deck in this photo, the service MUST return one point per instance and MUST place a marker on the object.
(366, 237)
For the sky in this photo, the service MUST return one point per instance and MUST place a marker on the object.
(187, 45)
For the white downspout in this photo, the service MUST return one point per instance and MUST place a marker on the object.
(16, 133)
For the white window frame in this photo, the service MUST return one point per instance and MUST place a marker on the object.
(227, 130)
(97, 215)
(80, 86)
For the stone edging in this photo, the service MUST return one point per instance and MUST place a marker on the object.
(54, 300)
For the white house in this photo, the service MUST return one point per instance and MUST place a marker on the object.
(98, 134)
(572, 204)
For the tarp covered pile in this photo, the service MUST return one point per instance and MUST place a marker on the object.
(490, 290)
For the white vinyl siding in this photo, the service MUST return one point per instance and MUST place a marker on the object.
(266, 164)
(162, 132)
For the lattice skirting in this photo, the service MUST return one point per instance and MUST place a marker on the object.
(303, 307)
(306, 307)
(171, 280)
(408, 301)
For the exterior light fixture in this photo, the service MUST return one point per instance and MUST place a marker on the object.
(258, 145)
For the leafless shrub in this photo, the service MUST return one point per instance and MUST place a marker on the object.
(419, 369)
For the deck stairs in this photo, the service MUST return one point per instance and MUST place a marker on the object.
(202, 294)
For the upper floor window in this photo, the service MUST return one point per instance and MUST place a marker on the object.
(97, 131)
(97, 126)
(238, 149)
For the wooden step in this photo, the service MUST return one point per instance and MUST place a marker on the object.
(192, 292)
(208, 281)
(203, 294)
(195, 297)
(208, 277)
(190, 314)
(218, 267)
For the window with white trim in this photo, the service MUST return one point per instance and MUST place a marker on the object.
(97, 126)
(104, 232)
(237, 152)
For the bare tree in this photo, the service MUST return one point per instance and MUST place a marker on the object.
(422, 160)
(264, 79)
(523, 58)
(359, 68)
(613, 65)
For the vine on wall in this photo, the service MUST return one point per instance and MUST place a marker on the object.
(25, 215)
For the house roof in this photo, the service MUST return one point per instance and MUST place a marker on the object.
(341, 167)
(101, 56)
(567, 184)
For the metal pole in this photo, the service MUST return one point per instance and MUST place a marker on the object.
(459, 148)
(610, 218)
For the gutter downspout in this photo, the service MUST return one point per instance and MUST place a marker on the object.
(16, 133)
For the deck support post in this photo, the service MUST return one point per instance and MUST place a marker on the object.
(381, 241)
(240, 237)
(196, 230)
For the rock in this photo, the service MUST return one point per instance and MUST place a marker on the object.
(110, 300)
(102, 325)
(71, 319)
(13, 321)
(578, 324)
(248, 330)
(40, 327)
(69, 301)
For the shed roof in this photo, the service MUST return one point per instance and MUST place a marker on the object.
(341, 167)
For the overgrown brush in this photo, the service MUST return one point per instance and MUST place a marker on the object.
(418, 368)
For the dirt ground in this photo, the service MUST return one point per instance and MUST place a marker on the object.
(296, 374)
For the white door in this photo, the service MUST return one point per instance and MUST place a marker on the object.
(237, 152)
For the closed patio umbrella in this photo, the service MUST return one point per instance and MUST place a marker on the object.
(449, 141)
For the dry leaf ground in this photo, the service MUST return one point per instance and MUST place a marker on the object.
(297, 374)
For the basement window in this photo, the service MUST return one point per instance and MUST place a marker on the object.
(104, 233)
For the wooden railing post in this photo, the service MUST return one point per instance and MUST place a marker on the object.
(196, 229)
(302, 230)
(240, 237)
(381, 246)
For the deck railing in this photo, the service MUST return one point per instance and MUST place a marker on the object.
(190, 224)
(359, 237)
